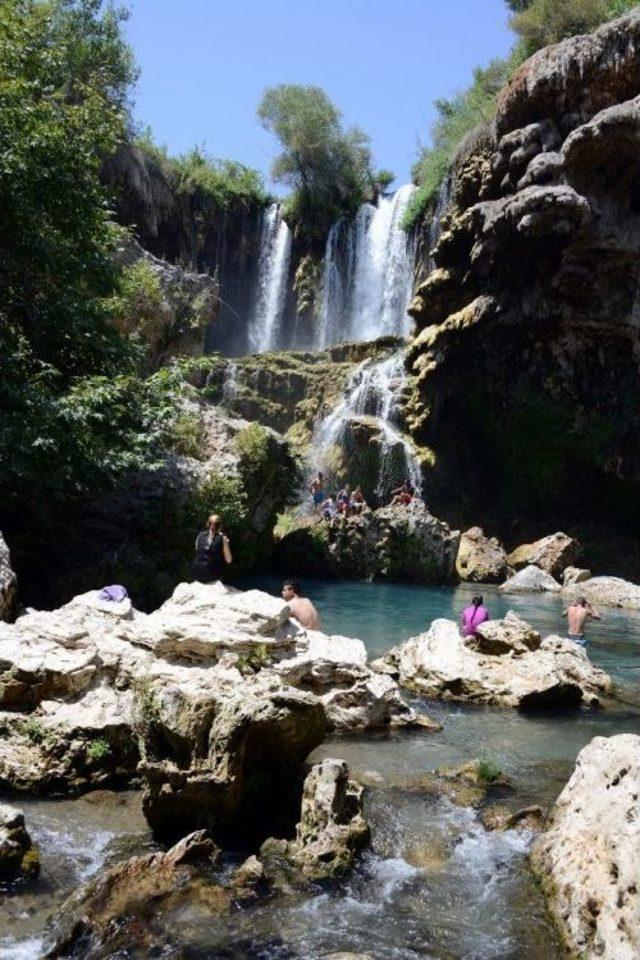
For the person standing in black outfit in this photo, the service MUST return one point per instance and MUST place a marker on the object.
(212, 552)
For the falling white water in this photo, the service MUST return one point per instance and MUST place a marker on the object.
(230, 384)
(371, 391)
(273, 274)
(368, 274)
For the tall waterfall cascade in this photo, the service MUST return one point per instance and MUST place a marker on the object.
(273, 275)
(368, 274)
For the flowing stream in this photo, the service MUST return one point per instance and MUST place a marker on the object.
(434, 883)
(371, 392)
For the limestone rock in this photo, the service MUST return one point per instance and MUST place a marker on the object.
(480, 559)
(573, 575)
(8, 582)
(496, 817)
(18, 856)
(510, 635)
(607, 591)
(588, 858)
(531, 580)
(331, 830)
(392, 543)
(552, 554)
(443, 665)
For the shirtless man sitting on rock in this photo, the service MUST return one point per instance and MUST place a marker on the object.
(577, 614)
(301, 608)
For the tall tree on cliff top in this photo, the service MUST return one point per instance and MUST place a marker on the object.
(65, 73)
(328, 167)
(543, 22)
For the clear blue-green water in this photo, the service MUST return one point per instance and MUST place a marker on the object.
(435, 883)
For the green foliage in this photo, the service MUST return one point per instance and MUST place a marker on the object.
(487, 771)
(253, 444)
(456, 118)
(136, 307)
(68, 391)
(383, 178)
(210, 182)
(33, 730)
(255, 659)
(98, 750)
(187, 435)
(543, 22)
(328, 167)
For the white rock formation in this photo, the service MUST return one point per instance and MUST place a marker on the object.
(589, 855)
(531, 580)
(607, 591)
(506, 665)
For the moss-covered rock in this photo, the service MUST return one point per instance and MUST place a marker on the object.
(19, 860)
(393, 543)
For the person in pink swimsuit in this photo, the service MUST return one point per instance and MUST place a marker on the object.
(473, 616)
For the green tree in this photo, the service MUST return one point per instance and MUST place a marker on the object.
(328, 167)
(64, 79)
(544, 22)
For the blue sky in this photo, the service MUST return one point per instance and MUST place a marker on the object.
(205, 64)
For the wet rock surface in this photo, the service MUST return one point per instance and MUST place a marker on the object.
(587, 858)
(521, 671)
(608, 591)
(19, 860)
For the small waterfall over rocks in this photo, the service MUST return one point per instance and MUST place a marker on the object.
(368, 274)
(369, 404)
(273, 275)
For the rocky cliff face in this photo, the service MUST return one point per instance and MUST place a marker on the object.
(526, 345)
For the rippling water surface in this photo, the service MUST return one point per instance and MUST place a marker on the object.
(435, 883)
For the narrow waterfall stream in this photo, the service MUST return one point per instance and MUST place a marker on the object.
(273, 274)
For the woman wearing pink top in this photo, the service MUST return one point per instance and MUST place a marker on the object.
(473, 616)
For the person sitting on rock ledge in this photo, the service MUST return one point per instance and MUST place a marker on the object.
(344, 500)
(212, 552)
(357, 502)
(329, 508)
(403, 495)
(577, 614)
(301, 607)
(473, 616)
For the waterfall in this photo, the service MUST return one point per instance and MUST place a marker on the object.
(370, 393)
(368, 274)
(230, 385)
(273, 275)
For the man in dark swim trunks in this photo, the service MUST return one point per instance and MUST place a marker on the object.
(316, 489)
(212, 552)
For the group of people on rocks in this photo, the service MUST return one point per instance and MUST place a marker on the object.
(348, 502)
(213, 552)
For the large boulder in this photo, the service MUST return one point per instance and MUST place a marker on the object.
(19, 859)
(125, 905)
(607, 591)
(552, 554)
(8, 582)
(391, 543)
(531, 580)
(331, 830)
(588, 858)
(507, 665)
(480, 559)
